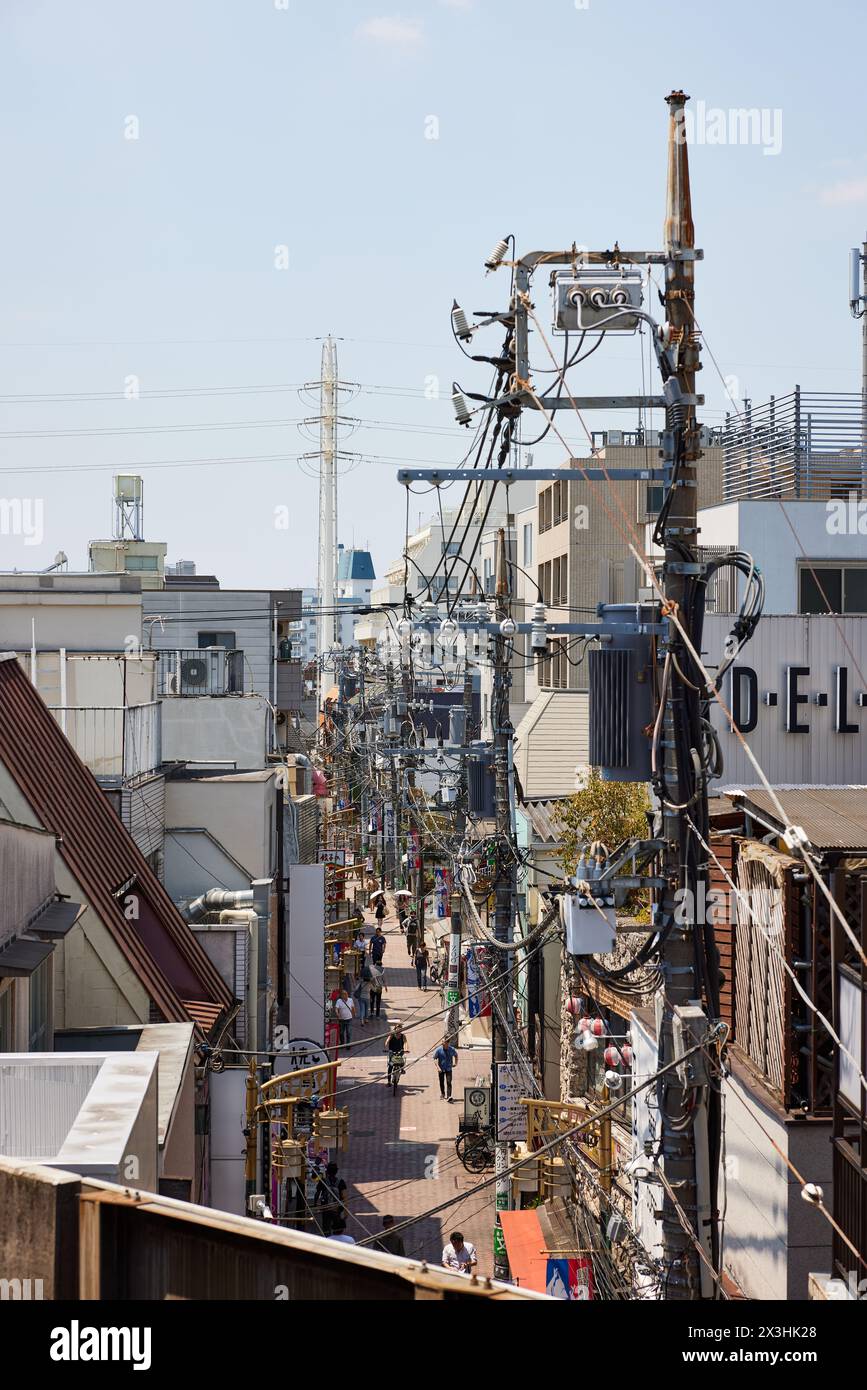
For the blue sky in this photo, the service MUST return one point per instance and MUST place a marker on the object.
(303, 125)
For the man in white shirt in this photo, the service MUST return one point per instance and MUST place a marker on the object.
(339, 1233)
(345, 1010)
(459, 1254)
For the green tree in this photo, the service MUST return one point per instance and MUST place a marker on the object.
(608, 811)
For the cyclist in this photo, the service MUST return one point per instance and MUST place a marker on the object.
(396, 1046)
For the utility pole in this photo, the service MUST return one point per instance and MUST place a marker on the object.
(504, 892)
(680, 535)
(327, 508)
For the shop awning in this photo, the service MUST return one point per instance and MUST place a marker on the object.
(544, 1255)
(525, 1246)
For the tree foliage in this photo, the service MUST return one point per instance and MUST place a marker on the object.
(599, 810)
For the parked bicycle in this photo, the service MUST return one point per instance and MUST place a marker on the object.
(475, 1149)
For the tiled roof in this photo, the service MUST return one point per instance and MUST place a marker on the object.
(100, 855)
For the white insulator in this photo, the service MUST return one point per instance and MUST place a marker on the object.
(539, 631)
(461, 409)
(497, 255)
(448, 632)
(508, 627)
(599, 298)
(461, 328)
(619, 296)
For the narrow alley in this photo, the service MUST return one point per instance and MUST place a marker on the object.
(401, 1158)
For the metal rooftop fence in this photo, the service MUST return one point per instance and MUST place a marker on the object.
(810, 445)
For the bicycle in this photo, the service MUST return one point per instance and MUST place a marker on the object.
(475, 1149)
(396, 1068)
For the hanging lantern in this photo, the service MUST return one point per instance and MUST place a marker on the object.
(612, 1057)
(574, 1005)
(588, 1042)
(583, 1025)
(597, 1027)
(626, 1055)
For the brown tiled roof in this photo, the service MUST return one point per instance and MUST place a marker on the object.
(101, 856)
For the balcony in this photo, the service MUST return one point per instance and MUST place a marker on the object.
(119, 744)
(200, 671)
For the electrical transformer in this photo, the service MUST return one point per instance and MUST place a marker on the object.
(620, 703)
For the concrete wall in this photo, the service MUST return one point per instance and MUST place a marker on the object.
(39, 1230)
(97, 617)
(773, 1238)
(219, 728)
(761, 529)
(234, 810)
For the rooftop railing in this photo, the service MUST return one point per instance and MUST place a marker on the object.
(807, 445)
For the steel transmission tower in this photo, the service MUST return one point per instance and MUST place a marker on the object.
(327, 577)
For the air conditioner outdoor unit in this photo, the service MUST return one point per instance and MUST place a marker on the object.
(202, 672)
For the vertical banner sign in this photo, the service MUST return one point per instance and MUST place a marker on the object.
(474, 1003)
(511, 1114)
(389, 823)
(501, 1202)
(453, 988)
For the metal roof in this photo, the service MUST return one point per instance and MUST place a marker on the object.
(22, 956)
(99, 853)
(832, 817)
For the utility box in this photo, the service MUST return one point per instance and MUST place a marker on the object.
(591, 930)
(620, 702)
(597, 299)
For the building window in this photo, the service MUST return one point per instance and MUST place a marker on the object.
(218, 639)
(39, 1033)
(834, 588)
(142, 562)
(528, 544)
(654, 496)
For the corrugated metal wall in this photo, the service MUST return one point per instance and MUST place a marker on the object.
(143, 812)
(822, 756)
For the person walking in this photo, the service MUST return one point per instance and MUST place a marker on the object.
(345, 1010)
(391, 1243)
(362, 995)
(379, 913)
(446, 1059)
(459, 1254)
(377, 979)
(422, 960)
(378, 944)
(411, 936)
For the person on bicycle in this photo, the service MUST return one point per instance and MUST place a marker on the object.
(396, 1046)
(445, 1058)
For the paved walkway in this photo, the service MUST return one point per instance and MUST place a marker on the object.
(401, 1157)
